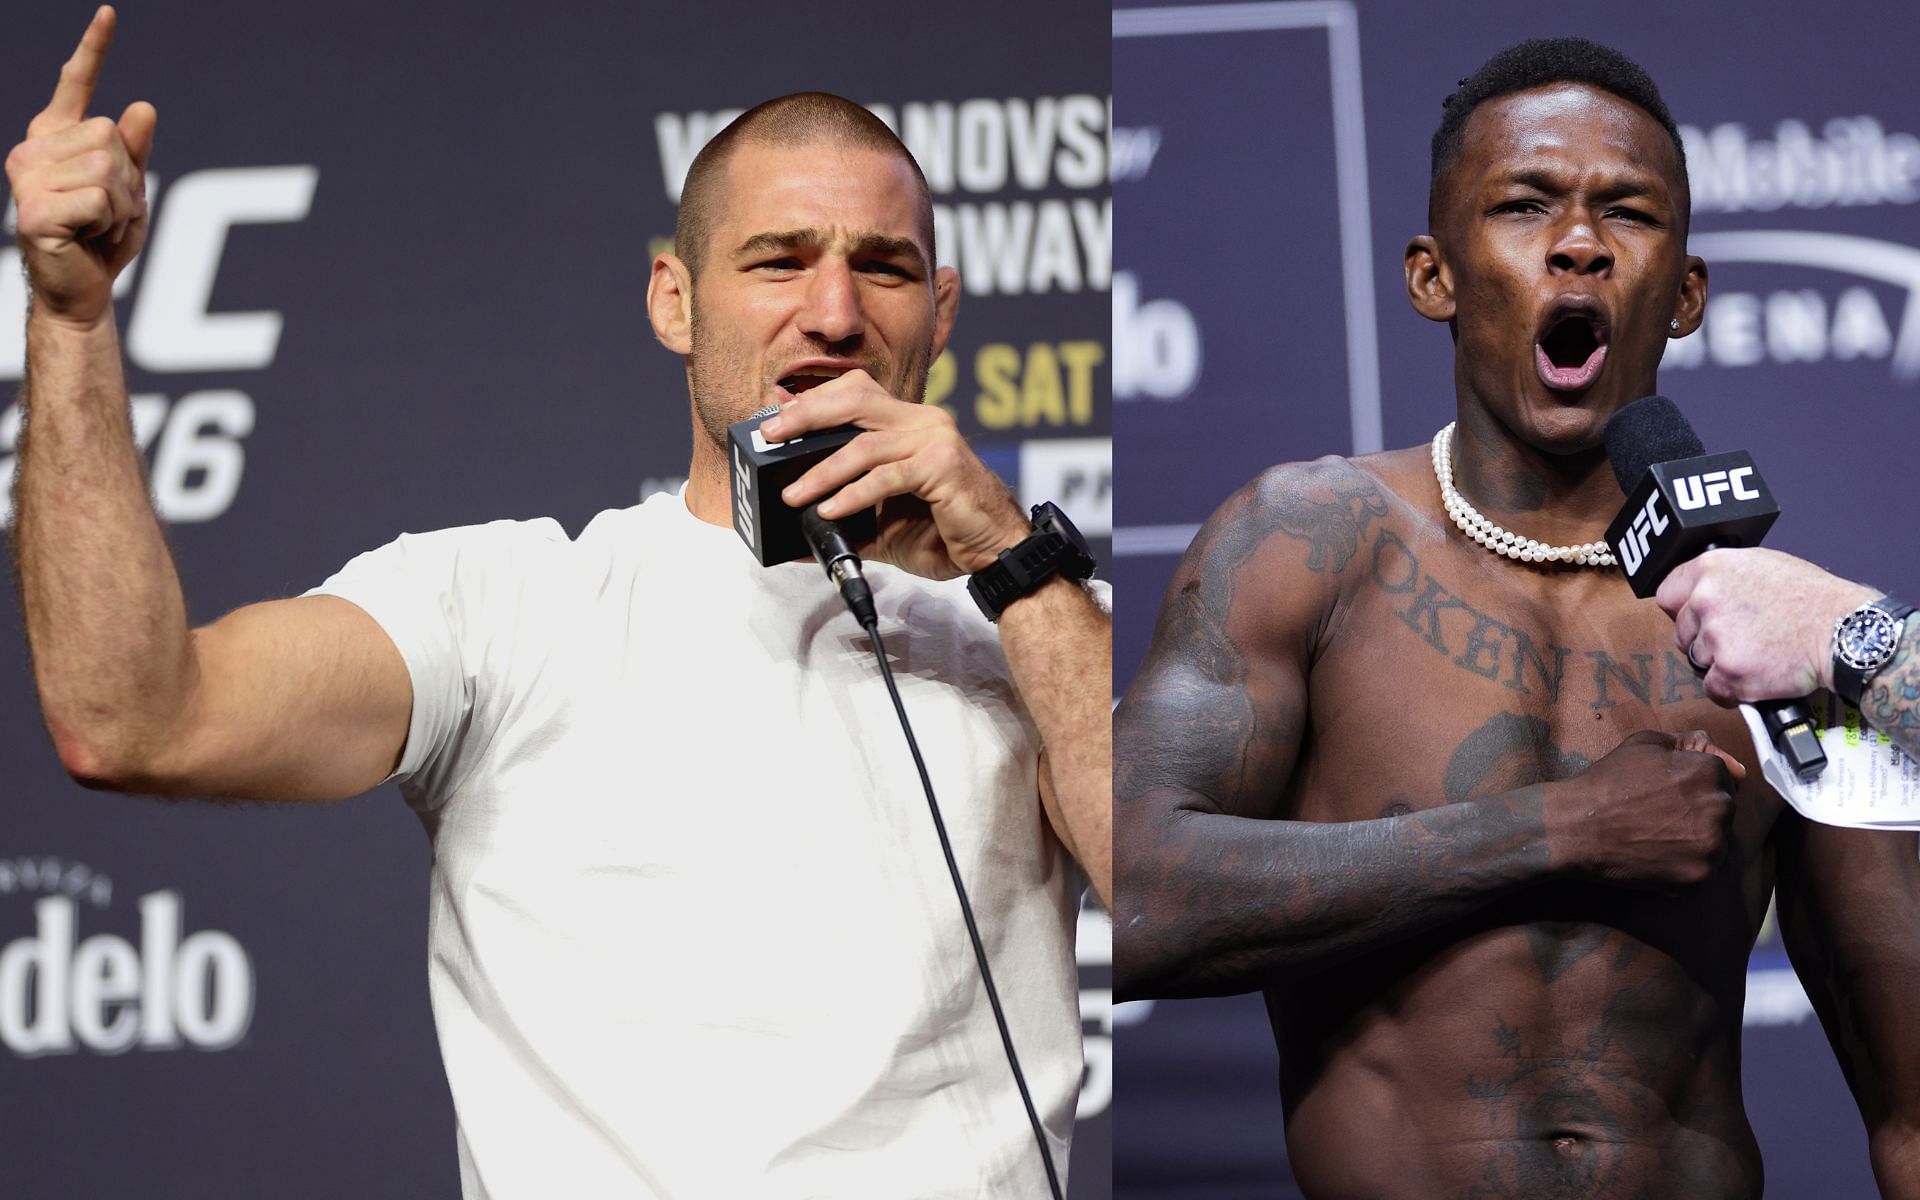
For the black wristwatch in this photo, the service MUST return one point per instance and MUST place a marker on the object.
(1054, 548)
(1863, 641)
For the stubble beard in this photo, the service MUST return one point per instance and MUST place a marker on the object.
(724, 396)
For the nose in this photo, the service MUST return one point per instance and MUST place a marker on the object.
(1578, 249)
(831, 310)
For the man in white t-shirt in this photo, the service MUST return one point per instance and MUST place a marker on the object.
(691, 933)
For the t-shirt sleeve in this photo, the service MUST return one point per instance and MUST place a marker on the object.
(447, 599)
(1102, 593)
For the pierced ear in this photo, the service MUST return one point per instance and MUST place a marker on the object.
(1429, 282)
(1690, 308)
(670, 304)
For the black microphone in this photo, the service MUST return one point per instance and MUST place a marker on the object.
(831, 546)
(760, 470)
(1681, 503)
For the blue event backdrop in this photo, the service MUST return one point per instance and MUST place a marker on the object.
(1270, 163)
(396, 283)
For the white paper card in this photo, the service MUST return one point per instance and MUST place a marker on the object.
(1869, 782)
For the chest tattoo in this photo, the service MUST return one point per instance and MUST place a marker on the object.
(1483, 645)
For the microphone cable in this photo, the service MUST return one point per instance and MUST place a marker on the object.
(872, 626)
(831, 548)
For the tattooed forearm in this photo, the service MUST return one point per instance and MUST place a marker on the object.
(1892, 700)
(1213, 904)
(1214, 894)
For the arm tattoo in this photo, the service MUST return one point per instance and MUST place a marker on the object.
(1892, 702)
(1214, 896)
(1191, 723)
(1214, 903)
(1333, 528)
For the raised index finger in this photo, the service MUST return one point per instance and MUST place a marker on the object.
(74, 92)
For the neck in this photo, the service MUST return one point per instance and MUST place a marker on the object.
(1554, 498)
(709, 487)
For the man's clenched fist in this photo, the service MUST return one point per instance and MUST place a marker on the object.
(1654, 812)
(80, 186)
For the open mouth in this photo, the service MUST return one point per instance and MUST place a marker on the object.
(1573, 348)
(806, 379)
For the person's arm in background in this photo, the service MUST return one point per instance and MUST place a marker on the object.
(1763, 622)
(294, 699)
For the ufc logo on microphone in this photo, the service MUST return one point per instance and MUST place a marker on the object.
(1647, 523)
(742, 496)
(1704, 491)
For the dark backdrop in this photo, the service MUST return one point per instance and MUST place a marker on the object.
(449, 214)
(1268, 174)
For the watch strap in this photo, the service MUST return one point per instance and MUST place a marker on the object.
(1023, 567)
(1017, 571)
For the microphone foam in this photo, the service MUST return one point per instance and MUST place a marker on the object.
(1650, 430)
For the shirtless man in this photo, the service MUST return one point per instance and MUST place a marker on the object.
(1430, 799)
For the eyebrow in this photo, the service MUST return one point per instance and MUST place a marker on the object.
(864, 245)
(1626, 188)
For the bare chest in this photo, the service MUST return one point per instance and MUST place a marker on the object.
(1449, 674)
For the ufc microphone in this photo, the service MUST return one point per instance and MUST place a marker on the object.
(1681, 503)
(760, 469)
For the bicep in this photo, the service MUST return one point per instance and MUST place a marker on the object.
(1219, 734)
(301, 699)
(1213, 719)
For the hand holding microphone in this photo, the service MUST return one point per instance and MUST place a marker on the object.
(1760, 621)
(810, 475)
(1683, 503)
(942, 512)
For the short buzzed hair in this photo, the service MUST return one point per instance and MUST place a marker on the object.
(1542, 62)
(804, 118)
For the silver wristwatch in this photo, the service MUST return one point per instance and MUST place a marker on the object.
(1863, 641)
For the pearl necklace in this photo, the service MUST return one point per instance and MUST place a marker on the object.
(1494, 538)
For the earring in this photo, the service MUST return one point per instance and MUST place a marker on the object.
(1673, 323)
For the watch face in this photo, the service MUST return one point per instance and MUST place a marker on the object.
(1047, 517)
(1867, 639)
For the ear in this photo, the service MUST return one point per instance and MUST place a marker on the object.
(1429, 282)
(1691, 306)
(670, 304)
(946, 305)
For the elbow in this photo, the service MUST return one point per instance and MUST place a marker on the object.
(1148, 938)
(1133, 975)
(1145, 970)
(1146, 965)
(1162, 953)
(96, 762)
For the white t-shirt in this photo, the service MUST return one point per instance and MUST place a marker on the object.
(691, 931)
